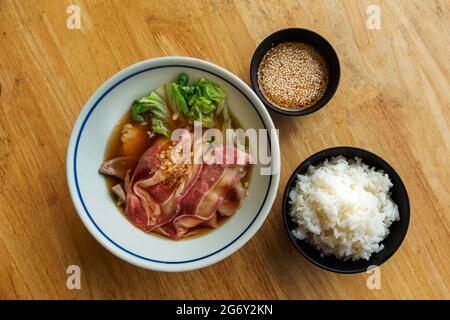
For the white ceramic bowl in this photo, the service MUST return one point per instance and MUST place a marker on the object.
(90, 194)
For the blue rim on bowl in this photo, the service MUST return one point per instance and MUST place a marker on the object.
(398, 229)
(95, 228)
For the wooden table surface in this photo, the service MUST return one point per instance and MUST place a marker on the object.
(393, 99)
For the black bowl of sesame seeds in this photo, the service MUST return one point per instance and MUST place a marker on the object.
(295, 71)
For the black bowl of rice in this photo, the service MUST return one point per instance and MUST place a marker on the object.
(346, 210)
(295, 71)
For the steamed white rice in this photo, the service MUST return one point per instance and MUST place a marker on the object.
(343, 208)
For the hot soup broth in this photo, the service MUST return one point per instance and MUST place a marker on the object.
(142, 140)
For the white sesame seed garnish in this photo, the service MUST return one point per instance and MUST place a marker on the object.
(293, 75)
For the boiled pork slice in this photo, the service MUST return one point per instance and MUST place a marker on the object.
(233, 201)
(120, 193)
(118, 167)
(154, 203)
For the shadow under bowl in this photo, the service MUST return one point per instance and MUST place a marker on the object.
(397, 230)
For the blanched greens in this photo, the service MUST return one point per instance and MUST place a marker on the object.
(197, 102)
(152, 108)
(182, 79)
(175, 98)
(222, 110)
(202, 101)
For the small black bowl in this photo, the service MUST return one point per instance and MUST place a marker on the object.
(397, 230)
(314, 40)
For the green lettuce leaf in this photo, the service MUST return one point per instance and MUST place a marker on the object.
(151, 108)
(197, 102)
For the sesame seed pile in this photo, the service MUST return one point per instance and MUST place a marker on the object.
(293, 75)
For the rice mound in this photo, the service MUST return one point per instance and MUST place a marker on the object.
(343, 208)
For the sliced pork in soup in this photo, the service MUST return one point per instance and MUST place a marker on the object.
(172, 198)
(161, 187)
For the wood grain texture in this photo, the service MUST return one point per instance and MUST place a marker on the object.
(393, 99)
